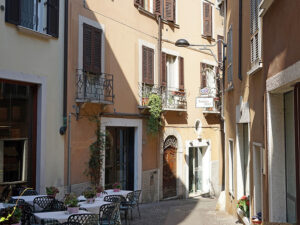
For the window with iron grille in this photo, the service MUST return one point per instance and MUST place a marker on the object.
(38, 15)
(229, 59)
(255, 43)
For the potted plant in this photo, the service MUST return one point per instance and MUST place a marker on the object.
(99, 191)
(11, 216)
(116, 187)
(243, 205)
(89, 195)
(52, 191)
(71, 202)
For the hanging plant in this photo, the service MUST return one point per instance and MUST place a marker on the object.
(155, 109)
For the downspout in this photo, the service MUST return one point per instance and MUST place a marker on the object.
(63, 128)
(159, 53)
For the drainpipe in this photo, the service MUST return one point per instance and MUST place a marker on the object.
(69, 155)
(63, 128)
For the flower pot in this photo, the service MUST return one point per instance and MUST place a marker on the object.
(116, 189)
(52, 196)
(145, 101)
(72, 210)
(98, 195)
(90, 200)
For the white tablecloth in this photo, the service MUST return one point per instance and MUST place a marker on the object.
(61, 216)
(5, 205)
(93, 207)
(28, 199)
(109, 192)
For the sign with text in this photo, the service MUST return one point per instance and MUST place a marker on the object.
(204, 102)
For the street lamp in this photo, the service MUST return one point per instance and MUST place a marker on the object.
(185, 43)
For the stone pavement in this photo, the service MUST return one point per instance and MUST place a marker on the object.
(194, 211)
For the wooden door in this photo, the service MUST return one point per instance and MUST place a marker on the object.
(169, 172)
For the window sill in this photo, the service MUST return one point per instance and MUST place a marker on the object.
(33, 32)
(255, 68)
(172, 24)
(208, 38)
(146, 12)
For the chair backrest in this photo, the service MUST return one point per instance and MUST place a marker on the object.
(115, 217)
(84, 219)
(58, 205)
(43, 204)
(114, 198)
(50, 222)
(134, 197)
(106, 211)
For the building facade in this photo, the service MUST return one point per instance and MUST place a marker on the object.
(31, 110)
(262, 135)
(120, 53)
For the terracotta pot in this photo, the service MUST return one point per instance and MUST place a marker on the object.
(98, 195)
(116, 189)
(72, 210)
(53, 196)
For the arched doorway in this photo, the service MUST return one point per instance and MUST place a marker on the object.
(170, 167)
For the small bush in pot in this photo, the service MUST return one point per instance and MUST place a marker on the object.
(52, 191)
(116, 187)
(71, 202)
(243, 204)
(90, 195)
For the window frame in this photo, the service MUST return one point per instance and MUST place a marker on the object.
(229, 57)
(176, 67)
(231, 189)
(212, 5)
(152, 46)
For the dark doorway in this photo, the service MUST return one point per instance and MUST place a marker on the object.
(119, 157)
(170, 167)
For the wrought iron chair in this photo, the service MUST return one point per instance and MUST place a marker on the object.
(43, 204)
(133, 199)
(26, 210)
(84, 219)
(50, 222)
(106, 213)
(58, 206)
(119, 199)
(115, 217)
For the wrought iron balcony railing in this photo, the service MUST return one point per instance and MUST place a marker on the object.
(213, 94)
(172, 98)
(96, 88)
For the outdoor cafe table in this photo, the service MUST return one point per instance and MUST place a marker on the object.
(61, 216)
(93, 207)
(6, 205)
(29, 199)
(109, 192)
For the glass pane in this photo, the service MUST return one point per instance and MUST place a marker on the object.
(198, 168)
(191, 169)
(27, 13)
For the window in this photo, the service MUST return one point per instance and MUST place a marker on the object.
(165, 8)
(208, 80)
(229, 59)
(230, 172)
(255, 42)
(92, 42)
(172, 71)
(37, 15)
(148, 65)
(207, 19)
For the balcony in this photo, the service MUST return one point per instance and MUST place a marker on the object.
(173, 99)
(94, 88)
(212, 100)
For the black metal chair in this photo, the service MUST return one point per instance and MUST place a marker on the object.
(43, 204)
(119, 199)
(26, 210)
(115, 217)
(84, 219)
(133, 199)
(106, 213)
(58, 206)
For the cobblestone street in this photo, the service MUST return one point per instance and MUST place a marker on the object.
(194, 211)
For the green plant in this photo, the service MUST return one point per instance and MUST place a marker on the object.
(97, 148)
(243, 204)
(13, 215)
(91, 193)
(155, 109)
(51, 190)
(71, 200)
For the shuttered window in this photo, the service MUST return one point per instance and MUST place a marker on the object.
(229, 58)
(181, 73)
(207, 19)
(169, 10)
(255, 44)
(148, 65)
(32, 15)
(158, 7)
(92, 42)
(163, 78)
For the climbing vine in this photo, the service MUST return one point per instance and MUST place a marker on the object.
(155, 109)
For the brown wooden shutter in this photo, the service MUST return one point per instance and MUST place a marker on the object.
(181, 73)
(150, 66)
(169, 10)
(144, 64)
(12, 11)
(157, 6)
(207, 19)
(53, 17)
(87, 48)
(203, 75)
(163, 78)
(97, 36)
